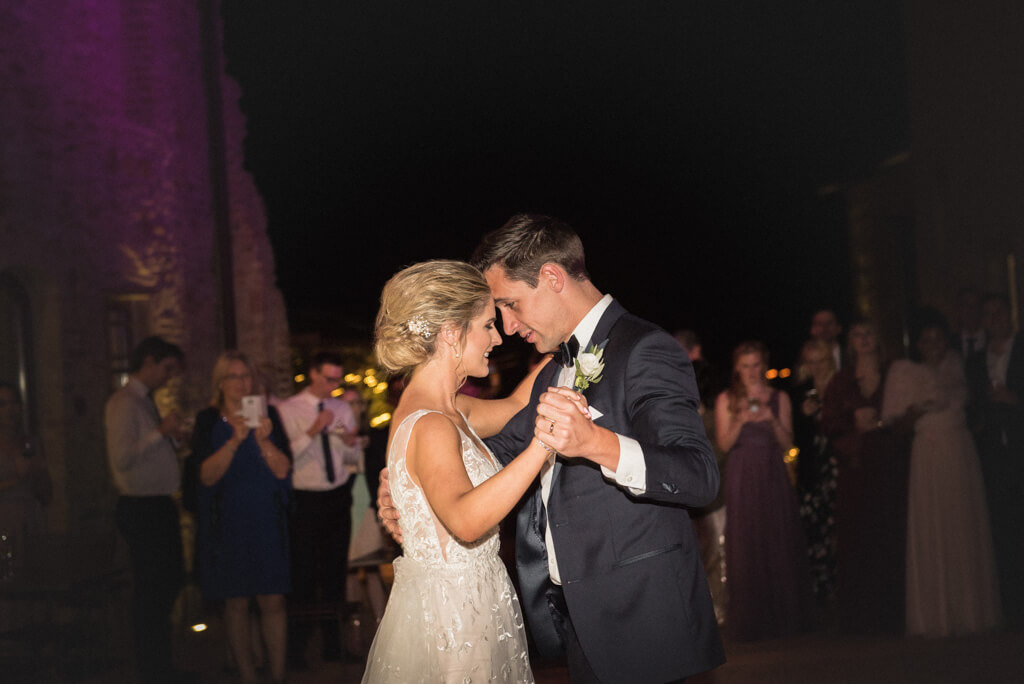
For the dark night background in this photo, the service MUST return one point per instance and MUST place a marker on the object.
(687, 142)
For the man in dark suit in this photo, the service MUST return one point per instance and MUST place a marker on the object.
(609, 566)
(995, 376)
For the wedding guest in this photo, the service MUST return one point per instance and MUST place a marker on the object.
(242, 526)
(969, 336)
(765, 548)
(144, 467)
(709, 521)
(816, 465)
(870, 503)
(25, 486)
(996, 377)
(322, 431)
(951, 575)
(825, 327)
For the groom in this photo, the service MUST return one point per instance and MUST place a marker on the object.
(609, 567)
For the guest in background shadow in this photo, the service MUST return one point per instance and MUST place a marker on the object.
(144, 467)
(25, 486)
(816, 466)
(870, 490)
(709, 521)
(969, 336)
(996, 416)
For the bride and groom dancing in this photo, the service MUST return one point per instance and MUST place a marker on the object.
(608, 565)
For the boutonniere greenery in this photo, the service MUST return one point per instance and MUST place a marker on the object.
(589, 366)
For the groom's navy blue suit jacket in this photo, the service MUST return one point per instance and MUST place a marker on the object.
(630, 565)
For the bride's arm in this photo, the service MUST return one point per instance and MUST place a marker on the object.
(434, 460)
(488, 416)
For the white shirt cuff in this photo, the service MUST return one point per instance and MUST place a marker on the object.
(632, 471)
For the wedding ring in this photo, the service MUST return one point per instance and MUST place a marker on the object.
(551, 429)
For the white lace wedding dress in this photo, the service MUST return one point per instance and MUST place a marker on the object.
(453, 615)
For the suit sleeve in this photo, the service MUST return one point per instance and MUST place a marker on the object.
(662, 402)
(518, 432)
(278, 437)
(514, 437)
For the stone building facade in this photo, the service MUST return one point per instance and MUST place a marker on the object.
(949, 214)
(108, 221)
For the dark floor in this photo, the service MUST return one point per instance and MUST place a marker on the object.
(991, 659)
(813, 659)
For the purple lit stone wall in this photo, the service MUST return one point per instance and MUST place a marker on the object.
(105, 195)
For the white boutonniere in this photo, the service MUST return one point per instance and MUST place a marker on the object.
(589, 367)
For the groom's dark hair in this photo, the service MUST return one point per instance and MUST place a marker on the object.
(528, 241)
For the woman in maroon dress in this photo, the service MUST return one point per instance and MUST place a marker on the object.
(870, 490)
(765, 552)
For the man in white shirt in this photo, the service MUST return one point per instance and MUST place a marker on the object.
(145, 471)
(323, 435)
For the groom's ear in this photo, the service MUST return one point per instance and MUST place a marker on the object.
(552, 276)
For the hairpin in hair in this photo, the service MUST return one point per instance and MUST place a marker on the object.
(417, 325)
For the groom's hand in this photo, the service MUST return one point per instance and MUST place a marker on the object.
(386, 511)
(571, 432)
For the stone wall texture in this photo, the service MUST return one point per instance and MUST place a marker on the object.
(965, 70)
(105, 195)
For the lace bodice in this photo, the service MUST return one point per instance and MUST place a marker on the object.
(424, 538)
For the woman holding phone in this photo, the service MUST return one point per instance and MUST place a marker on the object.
(765, 552)
(244, 491)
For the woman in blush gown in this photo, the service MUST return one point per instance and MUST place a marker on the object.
(453, 615)
(766, 565)
(950, 575)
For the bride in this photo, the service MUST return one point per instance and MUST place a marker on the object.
(453, 615)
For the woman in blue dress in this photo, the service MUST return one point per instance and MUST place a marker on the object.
(244, 491)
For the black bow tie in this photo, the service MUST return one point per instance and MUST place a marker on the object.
(567, 351)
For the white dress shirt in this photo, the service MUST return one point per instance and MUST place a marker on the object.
(308, 470)
(998, 364)
(632, 469)
(142, 460)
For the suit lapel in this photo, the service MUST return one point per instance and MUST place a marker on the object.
(604, 327)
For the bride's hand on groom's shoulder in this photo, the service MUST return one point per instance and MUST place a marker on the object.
(386, 511)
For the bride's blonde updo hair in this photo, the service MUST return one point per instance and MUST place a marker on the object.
(417, 302)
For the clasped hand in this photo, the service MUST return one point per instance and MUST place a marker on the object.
(564, 423)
